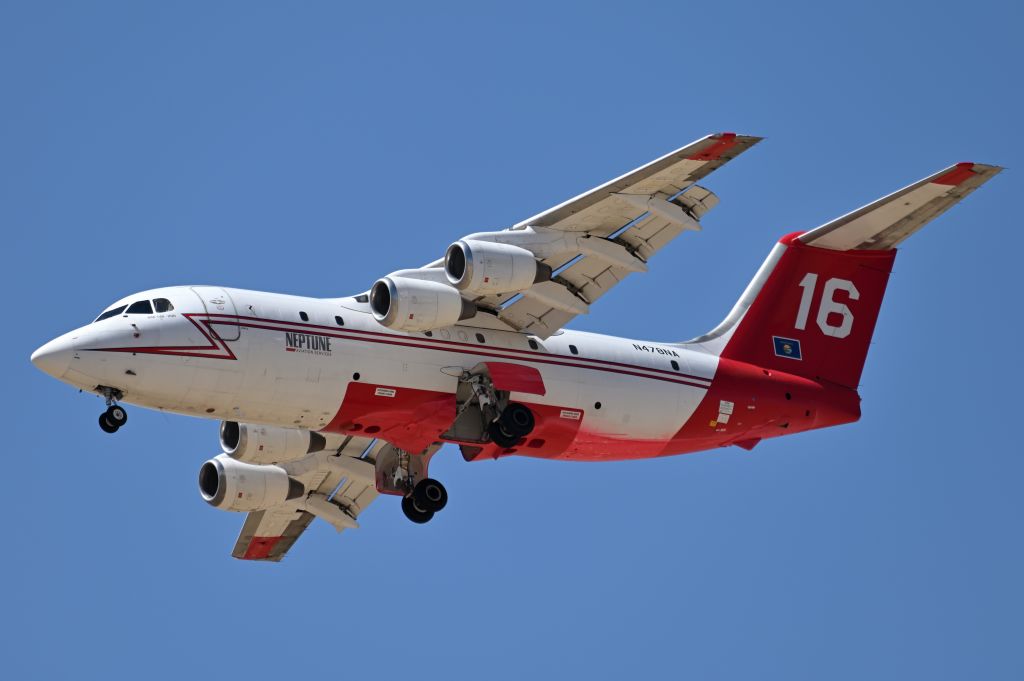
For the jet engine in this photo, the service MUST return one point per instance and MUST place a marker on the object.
(484, 267)
(234, 485)
(267, 444)
(409, 304)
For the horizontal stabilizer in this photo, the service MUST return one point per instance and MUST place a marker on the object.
(888, 221)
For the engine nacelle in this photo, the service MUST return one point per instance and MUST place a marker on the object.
(234, 485)
(267, 444)
(417, 304)
(484, 267)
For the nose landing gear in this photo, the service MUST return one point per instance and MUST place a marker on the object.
(115, 416)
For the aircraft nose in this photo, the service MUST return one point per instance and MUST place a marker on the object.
(54, 358)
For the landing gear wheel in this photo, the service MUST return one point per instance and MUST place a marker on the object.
(106, 426)
(414, 512)
(517, 419)
(429, 494)
(502, 437)
(116, 415)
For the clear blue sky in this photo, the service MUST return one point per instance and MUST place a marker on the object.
(312, 147)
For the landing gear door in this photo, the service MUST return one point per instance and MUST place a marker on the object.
(220, 307)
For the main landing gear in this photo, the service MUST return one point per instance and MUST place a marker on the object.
(403, 474)
(428, 497)
(515, 422)
(115, 416)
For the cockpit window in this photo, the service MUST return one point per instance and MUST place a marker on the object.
(162, 305)
(140, 307)
(111, 313)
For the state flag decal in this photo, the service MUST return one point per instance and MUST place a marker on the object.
(787, 347)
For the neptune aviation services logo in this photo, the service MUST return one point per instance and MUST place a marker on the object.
(787, 347)
(309, 343)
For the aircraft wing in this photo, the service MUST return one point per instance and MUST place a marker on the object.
(591, 242)
(642, 210)
(887, 222)
(268, 535)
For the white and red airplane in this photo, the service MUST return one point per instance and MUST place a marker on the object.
(325, 403)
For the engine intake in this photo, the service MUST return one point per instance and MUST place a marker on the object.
(484, 267)
(417, 304)
(267, 444)
(233, 485)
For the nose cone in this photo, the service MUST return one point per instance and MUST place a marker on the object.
(54, 358)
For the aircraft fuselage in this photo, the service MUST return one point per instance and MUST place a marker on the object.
(328, 366)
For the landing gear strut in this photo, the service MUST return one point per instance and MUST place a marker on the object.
(115, 416)
(502, 422)
(403, 474)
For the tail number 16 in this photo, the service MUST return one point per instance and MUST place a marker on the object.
(828, 305)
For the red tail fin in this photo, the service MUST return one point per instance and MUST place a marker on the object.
(812, 307)
(815, 312)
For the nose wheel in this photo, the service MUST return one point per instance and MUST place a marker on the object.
(115, 416)
(428, 497)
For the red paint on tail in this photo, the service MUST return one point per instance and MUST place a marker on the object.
(815, 314)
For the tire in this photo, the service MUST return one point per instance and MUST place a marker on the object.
(414, 513)
(517, 419)
(430, 495)
(501, 437)
(116, 415)
(106, 426)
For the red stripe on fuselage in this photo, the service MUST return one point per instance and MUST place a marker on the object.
(211, 351)
(224, 352)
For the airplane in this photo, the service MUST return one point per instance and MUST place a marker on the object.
(327, 403)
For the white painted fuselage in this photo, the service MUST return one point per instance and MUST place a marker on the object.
(289, 361)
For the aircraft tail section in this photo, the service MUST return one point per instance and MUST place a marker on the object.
(812, 307)
(815, 314)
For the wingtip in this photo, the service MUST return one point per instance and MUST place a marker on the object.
(963, 171)
(736, 136)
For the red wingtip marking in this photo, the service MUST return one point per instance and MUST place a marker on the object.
(260, 547)
(723, 142)
(791, 237)
(961, 173)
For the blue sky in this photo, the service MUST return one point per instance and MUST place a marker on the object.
(311, 148)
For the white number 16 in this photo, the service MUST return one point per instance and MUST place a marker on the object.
(828, 305)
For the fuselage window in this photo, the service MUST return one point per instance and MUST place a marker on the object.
(162, 305)
(533, 343)
(303, 316)
(573, 350)
(338, 320)
(112, 312)
(140, 307)
(675, 365)
(480, 338)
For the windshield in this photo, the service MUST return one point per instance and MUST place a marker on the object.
(110, 313)
(160, 305)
